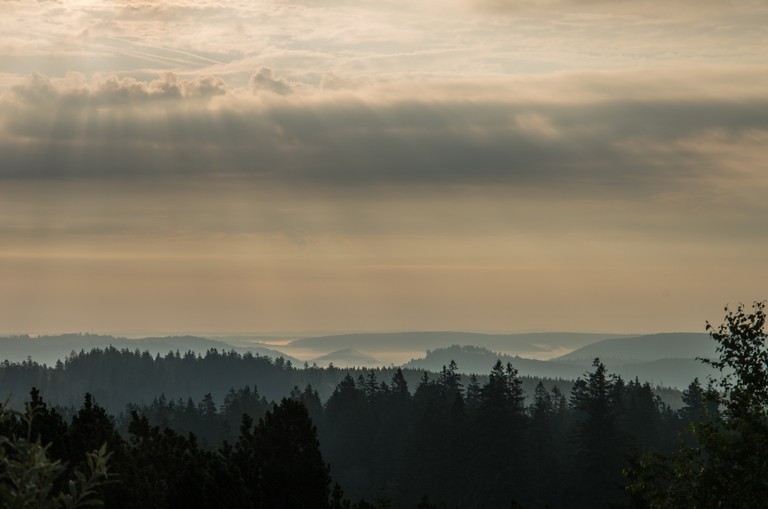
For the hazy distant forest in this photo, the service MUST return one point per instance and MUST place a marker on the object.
(383, 438)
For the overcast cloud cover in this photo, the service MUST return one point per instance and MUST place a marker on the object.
(345, 165)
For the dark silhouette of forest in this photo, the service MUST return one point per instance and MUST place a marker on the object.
(117, 378)
(462, 445)
(446, 442)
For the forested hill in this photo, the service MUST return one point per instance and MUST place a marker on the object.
(656, 369)
(473, 359)
(118, 377)
(651, 347)
(420, 341)
(50, 349)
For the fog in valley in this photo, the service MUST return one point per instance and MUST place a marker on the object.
(455, 254)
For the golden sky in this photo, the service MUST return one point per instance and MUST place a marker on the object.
(487, 165)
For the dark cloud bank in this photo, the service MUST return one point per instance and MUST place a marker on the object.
(174, 126)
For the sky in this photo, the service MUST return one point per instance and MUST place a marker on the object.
(347, 165)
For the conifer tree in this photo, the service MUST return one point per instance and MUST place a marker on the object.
(292, 472)
(595, 398)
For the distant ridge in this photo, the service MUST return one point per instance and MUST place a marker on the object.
(669, 372)
(49, 349)
(651, 347)
(478, 360)
(428, 340)
(348, 357)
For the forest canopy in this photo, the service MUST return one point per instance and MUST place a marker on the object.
(381, 440)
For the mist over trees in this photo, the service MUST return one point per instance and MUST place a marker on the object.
(119, 377)
(381, 440)
(466, 444)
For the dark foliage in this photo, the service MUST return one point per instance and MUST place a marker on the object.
(722, 460)
(389, 439)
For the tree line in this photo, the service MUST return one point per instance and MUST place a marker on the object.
(467, 446)
(446, 443)
(118, 377)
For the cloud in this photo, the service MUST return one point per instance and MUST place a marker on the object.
(332, 81)
(651, 7)
(75, 89)
(528, 5)
(584, 133)
(384, 41)
(264, 80)
(169, 168)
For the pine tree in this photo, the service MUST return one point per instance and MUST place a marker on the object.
(472, 398)
(293, 474)
(596, 401)
(499, 459)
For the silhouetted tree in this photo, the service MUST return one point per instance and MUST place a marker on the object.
(293, 474)
(347, 442)
(728, 464)
(498, 463)
(598, 437)
(473, 394)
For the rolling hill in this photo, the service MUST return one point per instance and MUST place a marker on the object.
(348, 357)
(652, 347)
(670, 372)
(540, 342)
(49, 349)
(478, 360)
